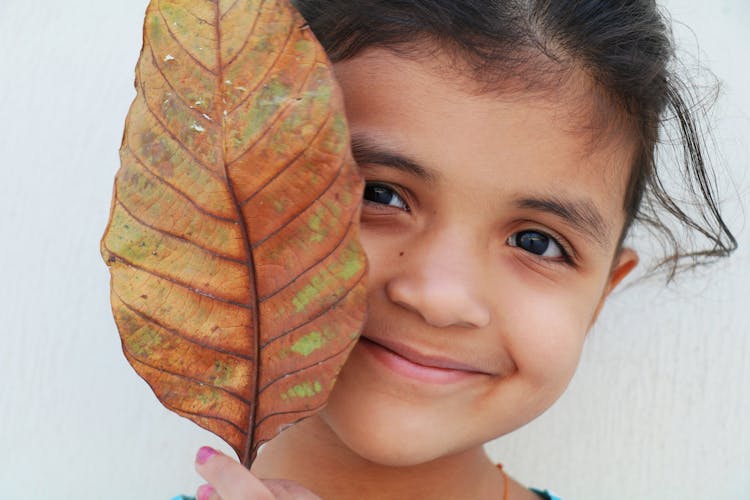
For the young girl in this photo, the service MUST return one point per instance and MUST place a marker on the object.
(507, 147)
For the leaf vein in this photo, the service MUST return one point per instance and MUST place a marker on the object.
(174, 37)
(179, 95)
(199, 18)
(209, 417)
(288, 164)
(252, 306)
(290, 412)
(226, 12)
(294, 372)
(316, 316)
(311, 266)
(250, 32)
(174, 137)
(176, 282)
(277, 116)
(150, 319)
(178, 191)
(184, 377)
(295, 216)
(207, 250)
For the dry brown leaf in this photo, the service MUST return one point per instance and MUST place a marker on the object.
(237, 276)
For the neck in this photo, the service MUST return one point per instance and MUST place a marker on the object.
(311, 454)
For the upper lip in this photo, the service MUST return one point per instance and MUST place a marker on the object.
(430, 360)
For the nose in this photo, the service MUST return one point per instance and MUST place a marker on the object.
(440, 278)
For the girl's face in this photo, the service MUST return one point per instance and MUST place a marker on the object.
(491, 227)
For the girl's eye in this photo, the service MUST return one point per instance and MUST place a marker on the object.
(381, 194)
(537, 243)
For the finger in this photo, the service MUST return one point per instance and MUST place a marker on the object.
(228, 477)
(207, 492)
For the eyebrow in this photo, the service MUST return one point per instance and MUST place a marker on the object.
(368, 151)
(582, 215)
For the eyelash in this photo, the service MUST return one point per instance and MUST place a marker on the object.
(565, 256)
(385, 188)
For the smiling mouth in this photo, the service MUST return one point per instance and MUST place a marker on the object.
(409, 362)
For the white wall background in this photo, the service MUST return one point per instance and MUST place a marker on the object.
(659, 409)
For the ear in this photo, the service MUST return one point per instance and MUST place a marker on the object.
(625, 261)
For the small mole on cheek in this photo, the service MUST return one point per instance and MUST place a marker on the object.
(401, 254)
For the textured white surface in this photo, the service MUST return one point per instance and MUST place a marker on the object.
(659, 408)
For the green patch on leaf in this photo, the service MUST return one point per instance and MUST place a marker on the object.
(144, 341)
(222, 374)
(313, 341)
(303, 390)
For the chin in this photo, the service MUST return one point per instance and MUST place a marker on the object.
(395, 433)
(400, 445)
(380, 425)
(390, 425)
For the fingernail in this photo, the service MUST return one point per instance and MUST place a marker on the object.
(206, 491)
(204, 454)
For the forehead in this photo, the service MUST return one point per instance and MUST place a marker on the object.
(561, 138)
(581, 105)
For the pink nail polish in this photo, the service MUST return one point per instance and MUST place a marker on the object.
(205, 492)
(204, 454)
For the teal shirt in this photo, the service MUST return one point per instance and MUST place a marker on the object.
(546, 495)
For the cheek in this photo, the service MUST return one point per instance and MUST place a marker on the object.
(386, 255)
(546, 332)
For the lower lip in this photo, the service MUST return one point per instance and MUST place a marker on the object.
(412, 370)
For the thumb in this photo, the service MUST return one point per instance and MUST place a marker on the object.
(230, 479)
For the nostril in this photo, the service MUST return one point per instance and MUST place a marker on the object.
(408, 307)
(466, 324)
(445, 317)
(478, 318)
(469, 314)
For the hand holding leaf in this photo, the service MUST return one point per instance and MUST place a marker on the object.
(237, 276)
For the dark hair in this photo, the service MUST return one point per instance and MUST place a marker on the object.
(625, 46)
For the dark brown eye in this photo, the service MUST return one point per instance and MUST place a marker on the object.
(382, 194)
(537, 243)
